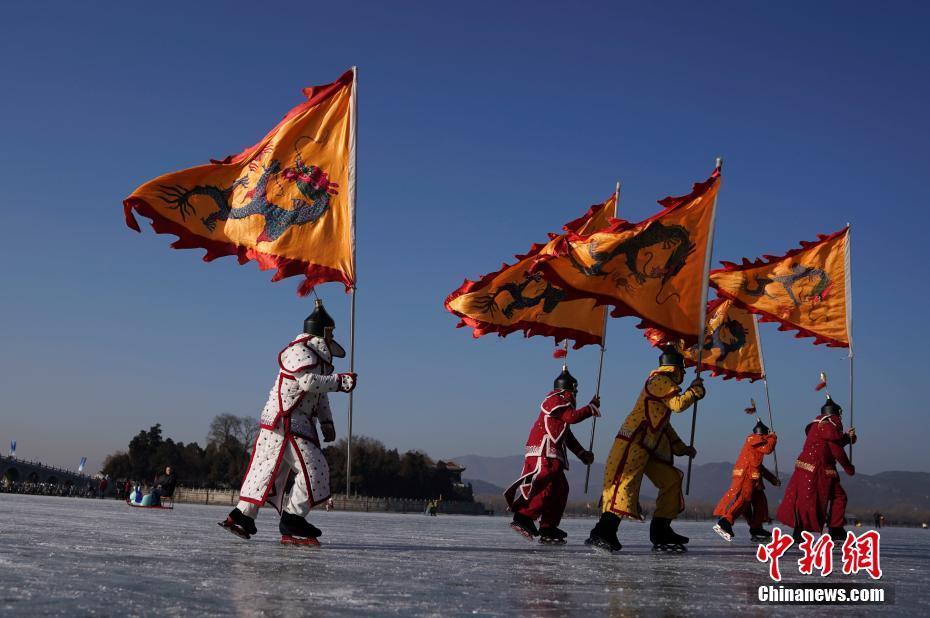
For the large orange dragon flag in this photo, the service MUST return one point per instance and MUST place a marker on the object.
(731, 343)
(655, 270)
(806, 290)
(514, 299)
(287, 202)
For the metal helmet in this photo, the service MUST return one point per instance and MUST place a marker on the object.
(761, 429)
(831, 407)
(671, 357)
(319, 321)
(565, 381)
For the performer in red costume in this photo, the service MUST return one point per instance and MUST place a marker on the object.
(542, 489)
(814, 496)
(746, 495)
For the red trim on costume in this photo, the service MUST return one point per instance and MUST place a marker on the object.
(764, 316)
(303, 466)
(274, 472)
(302, 368)
(314, 274)
(620, 466)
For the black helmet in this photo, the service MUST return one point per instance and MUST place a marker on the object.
(565, 382)
(318, 321)
(831, 407)
(671, 356)
(760, 429)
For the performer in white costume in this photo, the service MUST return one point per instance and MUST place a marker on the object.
(288, 442)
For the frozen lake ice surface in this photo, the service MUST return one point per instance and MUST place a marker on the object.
(101, 557)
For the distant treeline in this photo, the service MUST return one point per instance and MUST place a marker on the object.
(376, 470)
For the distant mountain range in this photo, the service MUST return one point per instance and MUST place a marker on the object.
(893, 492)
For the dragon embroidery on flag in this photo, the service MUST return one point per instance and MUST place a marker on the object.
(780, 287)
(550, 296)
(312, 182)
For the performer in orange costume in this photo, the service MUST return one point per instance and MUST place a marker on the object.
(746, 495)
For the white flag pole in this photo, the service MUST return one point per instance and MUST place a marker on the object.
(600, 366)
(849, 325)
(703, 313)
(353, 168)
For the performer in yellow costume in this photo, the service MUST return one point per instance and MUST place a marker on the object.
(645, 445)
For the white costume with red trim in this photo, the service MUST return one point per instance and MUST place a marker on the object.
(288, 440)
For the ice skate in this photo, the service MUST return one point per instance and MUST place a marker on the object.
(552, 536)
(239, 524)
(524, 526)
(664, 538)
(603, 536)
(838, 534)
(295, 530)
(725, 529)
(760, 534)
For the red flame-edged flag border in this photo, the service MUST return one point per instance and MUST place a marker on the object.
(529, 329)
(658, 337)
(621, 309)
(765, 316)
(314, 274)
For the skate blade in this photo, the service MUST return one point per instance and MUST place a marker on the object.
(526, 535)
(552, 541)
(602, 548)
(293, 540)
(761, 539)
(723, 534)
(235, 529)
(670, 548)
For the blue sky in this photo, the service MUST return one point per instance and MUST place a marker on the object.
(482, 126)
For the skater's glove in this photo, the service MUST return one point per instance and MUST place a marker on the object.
(850, 470)
(596, 402)
(697, 387)
(586, 457)
(852, 435)
(329, 432)
(690, 451)
(347, 382)
(777, 482)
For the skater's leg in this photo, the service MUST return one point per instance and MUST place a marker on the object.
(248, 509)
(623, 477)
(667, 479)
(554, 502)
(298, 503)
(757, 512)
(838, 500)
(311, 476)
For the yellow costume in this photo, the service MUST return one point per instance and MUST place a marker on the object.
(645, 444)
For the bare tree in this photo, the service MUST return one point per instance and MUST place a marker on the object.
(223, 427)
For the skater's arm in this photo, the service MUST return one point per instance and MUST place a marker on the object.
(766, 443)
(840, 455)
(325, 416)
(586, 457)
(768, 476)
(576, 416)
(678, 445)
(663, 387)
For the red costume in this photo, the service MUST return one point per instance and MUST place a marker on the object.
(542, 489)
(814, 496)
(747, 493)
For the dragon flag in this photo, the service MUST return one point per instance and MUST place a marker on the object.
(513, 298)
(655, 270)
(806, 290)
(287, 202)
(731, 343)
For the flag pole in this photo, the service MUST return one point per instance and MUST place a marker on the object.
(600, 365)
(353, 137)
(702, 324)
(765, 381)
(849, 325)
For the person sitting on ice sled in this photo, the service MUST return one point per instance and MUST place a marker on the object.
(542, 489)
(746, 495)
(287, 441)
(646, 444)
